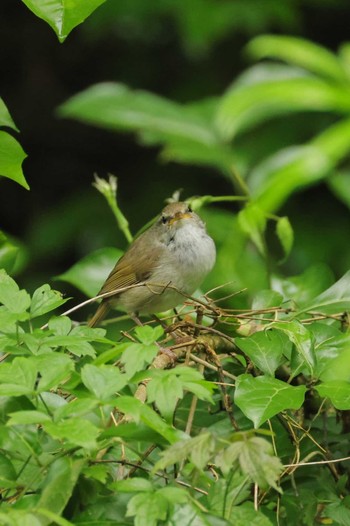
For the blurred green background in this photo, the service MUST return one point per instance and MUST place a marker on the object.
(186, 51)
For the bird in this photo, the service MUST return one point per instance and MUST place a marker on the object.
(162, 266)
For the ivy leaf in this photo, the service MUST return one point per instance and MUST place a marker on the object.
(261, 398)
(103, 381)
(335, 299)
(255, 457)
(302, 338)
(91, 271)
(45, 300)
(63, 15)
(337, 391)
(265, 349)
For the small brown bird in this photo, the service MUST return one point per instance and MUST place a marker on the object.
(172, 257)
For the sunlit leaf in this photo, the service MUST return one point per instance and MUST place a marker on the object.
(337, 391)
(5, 117)
(285, 234)
(45, 300)
(12, 156)
(63, 15)
(265, 349)
(334, 300)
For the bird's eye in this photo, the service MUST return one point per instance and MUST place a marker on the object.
(164, 220)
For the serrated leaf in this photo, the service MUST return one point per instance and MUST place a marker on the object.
(265, 349)
(60, 325)
(54, 368)
(147, 508)
(45, 300)
(91, 271)
(337, 391)
(75, 431)
(22, 373)
(132, 485)
(285, 235)
(27, 417)
(103, 381)
(63, 15)
(136, 356)
(149, 335)
(165, 390)
(12, 156)
(255, 457)
(261, 398)
(198, 449)
(15, 300)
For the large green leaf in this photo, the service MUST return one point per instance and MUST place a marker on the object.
(337, 391)
(261, 398)
(268, 91)
(63, 15)
(334, 300)
(299, 52)
(90, 272)
(11, 157)
(265, 349)
(187, 131)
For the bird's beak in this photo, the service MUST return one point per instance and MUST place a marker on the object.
(178, 216)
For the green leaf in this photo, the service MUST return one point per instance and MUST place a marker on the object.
(5, 117)
(75, 431)
(60, 325)
(136, 356)
(15, 300)
(266, 299)
(45, 300)
(58, 485)
(103, 381)
(285, 234)
(261, 398)
(292, 168)
(89, 274)
(63, 15)
(252, 221)
(147, 508)
(139, 411)
(198, 449)
(165, 390)
(187, 132)
(149, 335)
(7, 471)
(335, 299)
(246, 514)
(265, 349)
(12, 156)
(302, 339)
(228, 492)
(135, 484)
(28, 417)
(54, 368)
(337, 391)
(256, 460)
(300, 52)
(268, 90)
(22, 373)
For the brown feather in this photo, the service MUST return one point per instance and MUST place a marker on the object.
(101, 312)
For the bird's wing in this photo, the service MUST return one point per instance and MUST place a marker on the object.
(132, 268)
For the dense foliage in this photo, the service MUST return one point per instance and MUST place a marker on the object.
(250, 424)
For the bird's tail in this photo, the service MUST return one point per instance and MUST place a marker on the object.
(101, 312)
